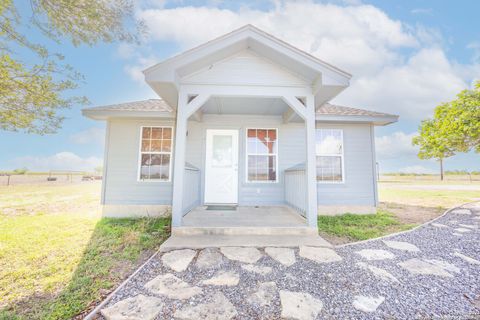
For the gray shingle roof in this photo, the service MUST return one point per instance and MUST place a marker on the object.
(144, 105)
(335, 110)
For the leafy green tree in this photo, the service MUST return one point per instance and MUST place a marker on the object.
(455, 127)
(459, 121)
(34, 83)
(432, 144)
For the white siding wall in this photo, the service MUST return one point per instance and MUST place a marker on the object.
(248, 68)
(291, 139)
(121, 184)
(123, 188)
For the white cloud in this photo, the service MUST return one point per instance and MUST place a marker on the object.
(60, 161)
(91, 135)
(398, 68)
(396, 145)
(427, 11)
(416, 169)
(412, 89)
(135, 70)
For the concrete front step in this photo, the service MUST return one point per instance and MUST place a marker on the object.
(176, 242)
(191, 231)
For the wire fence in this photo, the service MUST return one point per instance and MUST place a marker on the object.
(53, 177)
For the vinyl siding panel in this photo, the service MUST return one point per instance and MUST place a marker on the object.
(291, 151)
(122, 186)
(121, 183)
(247, 68)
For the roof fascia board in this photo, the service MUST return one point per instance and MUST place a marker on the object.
(168, 66)
(107, 114)
(377, 120)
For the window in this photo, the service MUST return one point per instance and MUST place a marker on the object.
(329, 150)
(262, 146)
(156, 153)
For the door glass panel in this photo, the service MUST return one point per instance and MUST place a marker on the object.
(222, 151)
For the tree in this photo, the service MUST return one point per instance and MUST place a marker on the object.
(459, 121)
(32, 94)
(432, 145)
(455, 127)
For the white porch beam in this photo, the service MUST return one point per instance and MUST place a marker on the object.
(184, 110)
(195, 104)
(247, 90)
(296, 105)
(198, 115)
(311, 162)
(288, 115)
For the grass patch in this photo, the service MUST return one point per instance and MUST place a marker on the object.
(361, 227)
(56, 265)
(433, 198)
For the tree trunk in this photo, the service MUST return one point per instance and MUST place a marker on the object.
(441, 169)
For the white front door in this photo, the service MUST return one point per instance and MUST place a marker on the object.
(221, 166)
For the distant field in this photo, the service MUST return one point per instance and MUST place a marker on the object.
(431, 193)
(448, 179)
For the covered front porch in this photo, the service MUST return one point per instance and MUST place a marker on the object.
(248, 153)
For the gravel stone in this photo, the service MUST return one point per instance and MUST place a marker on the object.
(367, 304)
(223, 278)
(138, 307)
(299, 305)
(217, 309)
(439, 225)
(379, 272)
(172, 287)
(285, 256)
(257, 269)
(209, 258)
(265, 294)
(401, 245)
(178, 260)
(466, 258)
(375, 254)
(247, 255)
(417, 266)
(319, 255)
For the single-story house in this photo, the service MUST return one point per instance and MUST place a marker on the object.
(244, 123)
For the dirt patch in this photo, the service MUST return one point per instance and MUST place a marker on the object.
(408, 214)
(335, 240)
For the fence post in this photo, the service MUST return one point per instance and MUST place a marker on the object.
(8, 179)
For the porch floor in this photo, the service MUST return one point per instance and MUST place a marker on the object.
(265, 226)
(264, 216)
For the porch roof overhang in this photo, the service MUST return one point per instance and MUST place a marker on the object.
(335, 113)
(158, 109)
(324, 80)
(151, 108)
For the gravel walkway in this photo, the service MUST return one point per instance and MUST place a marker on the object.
(430, 272)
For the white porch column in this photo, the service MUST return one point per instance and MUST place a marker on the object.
(311, 162)
(179, 160)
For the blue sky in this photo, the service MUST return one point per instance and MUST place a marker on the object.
(406, 57)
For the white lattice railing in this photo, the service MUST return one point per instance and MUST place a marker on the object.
(191, 188)
(296, 188)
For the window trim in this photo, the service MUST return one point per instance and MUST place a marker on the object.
(140, 152)
(261, 154)
(342, 155)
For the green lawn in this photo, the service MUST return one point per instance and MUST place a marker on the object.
(425, 198)
(55, 262)
(361, 227)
